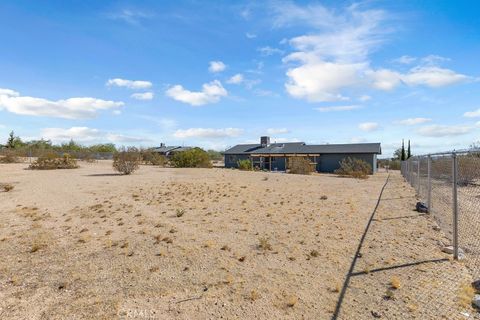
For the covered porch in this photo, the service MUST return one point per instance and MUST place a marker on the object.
(280, 161)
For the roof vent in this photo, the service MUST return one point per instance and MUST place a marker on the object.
(264, 141)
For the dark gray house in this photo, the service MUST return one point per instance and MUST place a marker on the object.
(168, 151)
(326, 157)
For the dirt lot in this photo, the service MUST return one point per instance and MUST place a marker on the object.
(217, 243)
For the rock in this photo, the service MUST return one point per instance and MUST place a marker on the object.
(436, 228)
(476, 301)
(449, 250)
(421, 207)
(376, 314)
(476, 285)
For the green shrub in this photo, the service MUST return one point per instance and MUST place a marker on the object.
(244, 164)
(354, 167)
(153, 158)
(52, 161)
(215, 155)
(126, 160)
(9, 156)
(193, 158)
(300, 165)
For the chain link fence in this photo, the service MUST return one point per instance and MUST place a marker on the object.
(449, 185)
(28, 155)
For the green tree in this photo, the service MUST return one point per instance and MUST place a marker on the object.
(403, 155)
(14, 142)
(214, 155)
(397, 154)
(409, 152)
(193, 158)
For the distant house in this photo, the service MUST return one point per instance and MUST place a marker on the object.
(326, 157)
(169, 151)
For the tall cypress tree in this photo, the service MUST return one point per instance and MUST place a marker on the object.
(409, 153)
(403, 151)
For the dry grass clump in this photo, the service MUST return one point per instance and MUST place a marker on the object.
(153, 158)
(264, 243)
(395, 282)
(180, 212)
(291, 301)
(127, 160)
(254, 295)
(299, 165)
(465, 295)
(9, 156)
(6, 187)
(354, 167)
(52, 161)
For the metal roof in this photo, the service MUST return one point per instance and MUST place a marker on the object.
(301, 147)
(166, 149)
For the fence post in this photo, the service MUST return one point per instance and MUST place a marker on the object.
(455, 205)
(429, 184)
(418, 175)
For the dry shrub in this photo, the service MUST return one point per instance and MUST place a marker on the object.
(126, 160)
(6, 187)
(395, 282)
(468, 169)
(299, 165)
(153, 158)
(264, 244)
(245, 165)
(465, 295)
(354, 167)
(52, 160)
(9, 156)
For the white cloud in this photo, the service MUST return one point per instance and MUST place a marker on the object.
(216, 66)
(413, 121)
(208, 133)
(277, 131)
(236, 79)
(143, 96)
(268, 51)
(72, 108)
(405, 59)
(211, 93)
(338, 108)
(472, 114)
(85, 135)
(250, 35)
(433, 76)
(130, 16)
(130, 84)
(444, 131)
(384, 79)
(364, 98)
(368, 126)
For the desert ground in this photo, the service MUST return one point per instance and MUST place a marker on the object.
(167, 243)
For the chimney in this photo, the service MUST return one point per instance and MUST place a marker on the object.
(162, 144)
(264, 141)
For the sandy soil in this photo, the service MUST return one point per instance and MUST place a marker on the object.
(216, 243)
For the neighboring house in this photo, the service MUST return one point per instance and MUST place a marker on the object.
(169, 151)
(326, 157)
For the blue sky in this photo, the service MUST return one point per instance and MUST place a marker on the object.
(215, 74)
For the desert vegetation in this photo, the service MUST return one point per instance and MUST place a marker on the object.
(354, 167)
(153, 158)
(245, 165)
(300, 165)
(126, 160)
(193, 158)
(52, 161)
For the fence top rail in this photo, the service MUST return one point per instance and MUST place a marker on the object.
(447, 153)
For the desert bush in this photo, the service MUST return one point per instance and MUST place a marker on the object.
(244, 164)
(51, 161)
(354, 167)
(468, 169)
(299, 165)
(153, 158)
(6, 187)
(9, 156)
(193, 158)
(126, 160)
(215, 155)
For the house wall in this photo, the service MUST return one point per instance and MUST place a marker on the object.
(231, 160)
(331, 162)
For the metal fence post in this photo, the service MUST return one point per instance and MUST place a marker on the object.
(418, 175)
(429, 184)
(455, 205)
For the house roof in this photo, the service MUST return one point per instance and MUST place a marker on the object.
(301, 147)
(166, 149)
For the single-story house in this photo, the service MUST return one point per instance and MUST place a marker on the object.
(169, 151)
(325, 157)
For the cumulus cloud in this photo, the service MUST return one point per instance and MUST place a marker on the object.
(368, 126)
(472, 114)
(216, 66)
(444, 131)
(268, 51)
(334, 56)
(277, 130)
(142, 96)
(338, 108)
(208, 133)
(236, 79)
(405, 59)
(72, 108)
(413, 121)
(364, 98)
(211, 93)
(130, 84)
(250, 35)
